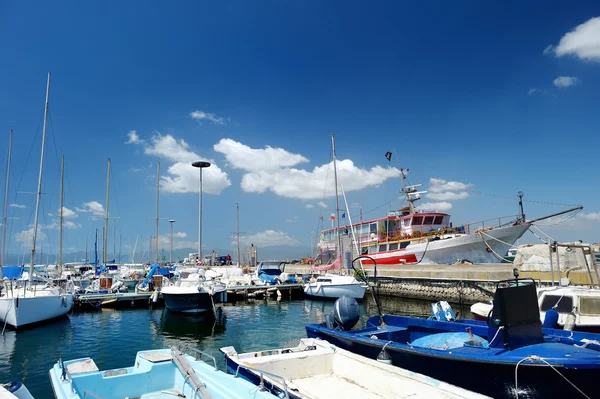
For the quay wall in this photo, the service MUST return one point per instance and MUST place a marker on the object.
(463, 283)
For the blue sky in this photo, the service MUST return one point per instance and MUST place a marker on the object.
(498, 98)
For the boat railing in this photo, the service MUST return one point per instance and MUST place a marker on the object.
(262, 375)
(197, 354)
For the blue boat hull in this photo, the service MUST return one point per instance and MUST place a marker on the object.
(192, 303)
(492, 375)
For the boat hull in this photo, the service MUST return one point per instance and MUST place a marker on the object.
(192, 302)
(334, 291)
(19, 312)
(489, 375)
(471, 247)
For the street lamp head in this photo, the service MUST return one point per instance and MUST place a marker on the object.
(171, 221)
(520, 194)
(201, 164)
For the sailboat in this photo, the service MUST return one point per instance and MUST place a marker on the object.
(28, 303)
(335, 285)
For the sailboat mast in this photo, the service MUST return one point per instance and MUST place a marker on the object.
(238, 232)
(337, 199)
(5, 218)
(105, 232)
(115, 240)
(86, 249)
(157, 194)
(39, 190)
(60, 216)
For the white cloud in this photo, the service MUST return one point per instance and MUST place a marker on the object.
(27, 235)
(180, 234)
(532, 90)
(17, 206)
(594, 216)
(437, 185)
(310, 206)
(67, 213)
(182, 176)
(582, 42)
(240, 156)
(199, 115)
(322, 205)
(133, 138)
(269, 238)
(96, 208)
(436, 206)
(135, 170)
(67, 224)
(448, 195)
(164, 242)
(270, 169)
(549, 49)
(566, 81)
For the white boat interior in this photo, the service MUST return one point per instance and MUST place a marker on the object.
(316, 369)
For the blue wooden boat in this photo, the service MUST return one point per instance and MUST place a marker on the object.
(509, 356)
(157, 374)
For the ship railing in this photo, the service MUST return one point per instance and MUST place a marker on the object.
(262, 375)
(497, 222)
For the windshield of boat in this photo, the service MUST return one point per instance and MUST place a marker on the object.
(564, 304)
(589, 306)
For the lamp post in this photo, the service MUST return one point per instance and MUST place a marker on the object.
(200, 165)
(520, 195)
(171, 252)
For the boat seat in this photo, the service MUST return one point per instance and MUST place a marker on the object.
(156, 357)
(83, 366)
(114, 373)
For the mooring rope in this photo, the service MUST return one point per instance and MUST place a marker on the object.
(533, 357)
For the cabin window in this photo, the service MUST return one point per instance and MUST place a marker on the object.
(417, 220)
(565, 303)
(438, 220)
(374, 228)
(406, 222)
(323, 280)
(589, 305)
(364, 250)
(428, 220)
(382, 248)
(404, 244)
(393, 246)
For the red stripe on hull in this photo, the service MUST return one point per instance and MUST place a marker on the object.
(392, 260)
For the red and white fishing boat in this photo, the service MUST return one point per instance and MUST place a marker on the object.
(410, 236)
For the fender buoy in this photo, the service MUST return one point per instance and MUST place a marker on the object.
(488, 249)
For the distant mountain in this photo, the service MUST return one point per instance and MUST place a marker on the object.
(278, 252)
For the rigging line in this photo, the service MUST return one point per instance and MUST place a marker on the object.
(524, 200)
(563, 219)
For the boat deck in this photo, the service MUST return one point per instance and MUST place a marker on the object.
(333, 386)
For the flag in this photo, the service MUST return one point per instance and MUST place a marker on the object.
(361, 214)
(388, 156)
(344, 215)
(332, 217)
(321, 218)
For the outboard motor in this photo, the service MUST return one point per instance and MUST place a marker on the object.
(345, 313)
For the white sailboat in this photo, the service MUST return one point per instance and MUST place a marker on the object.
(23, 302)
(333, 285)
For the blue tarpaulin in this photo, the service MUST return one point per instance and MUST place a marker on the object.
(12, 272)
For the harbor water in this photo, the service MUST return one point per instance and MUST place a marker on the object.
(113, 337)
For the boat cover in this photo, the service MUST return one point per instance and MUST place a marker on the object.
(450, 340)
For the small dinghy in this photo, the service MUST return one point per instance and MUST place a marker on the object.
(315, 369)
(157, 374)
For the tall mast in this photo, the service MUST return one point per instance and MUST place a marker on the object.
(86, 249)
(337, 205)
(238, 232)
(106, 215)
(115, 239)
(60, 216)
(39, 190)
(5, 218)
(157, 193)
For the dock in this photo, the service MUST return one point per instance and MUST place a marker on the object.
(143, 299)
(290, 291)
(121, 299)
